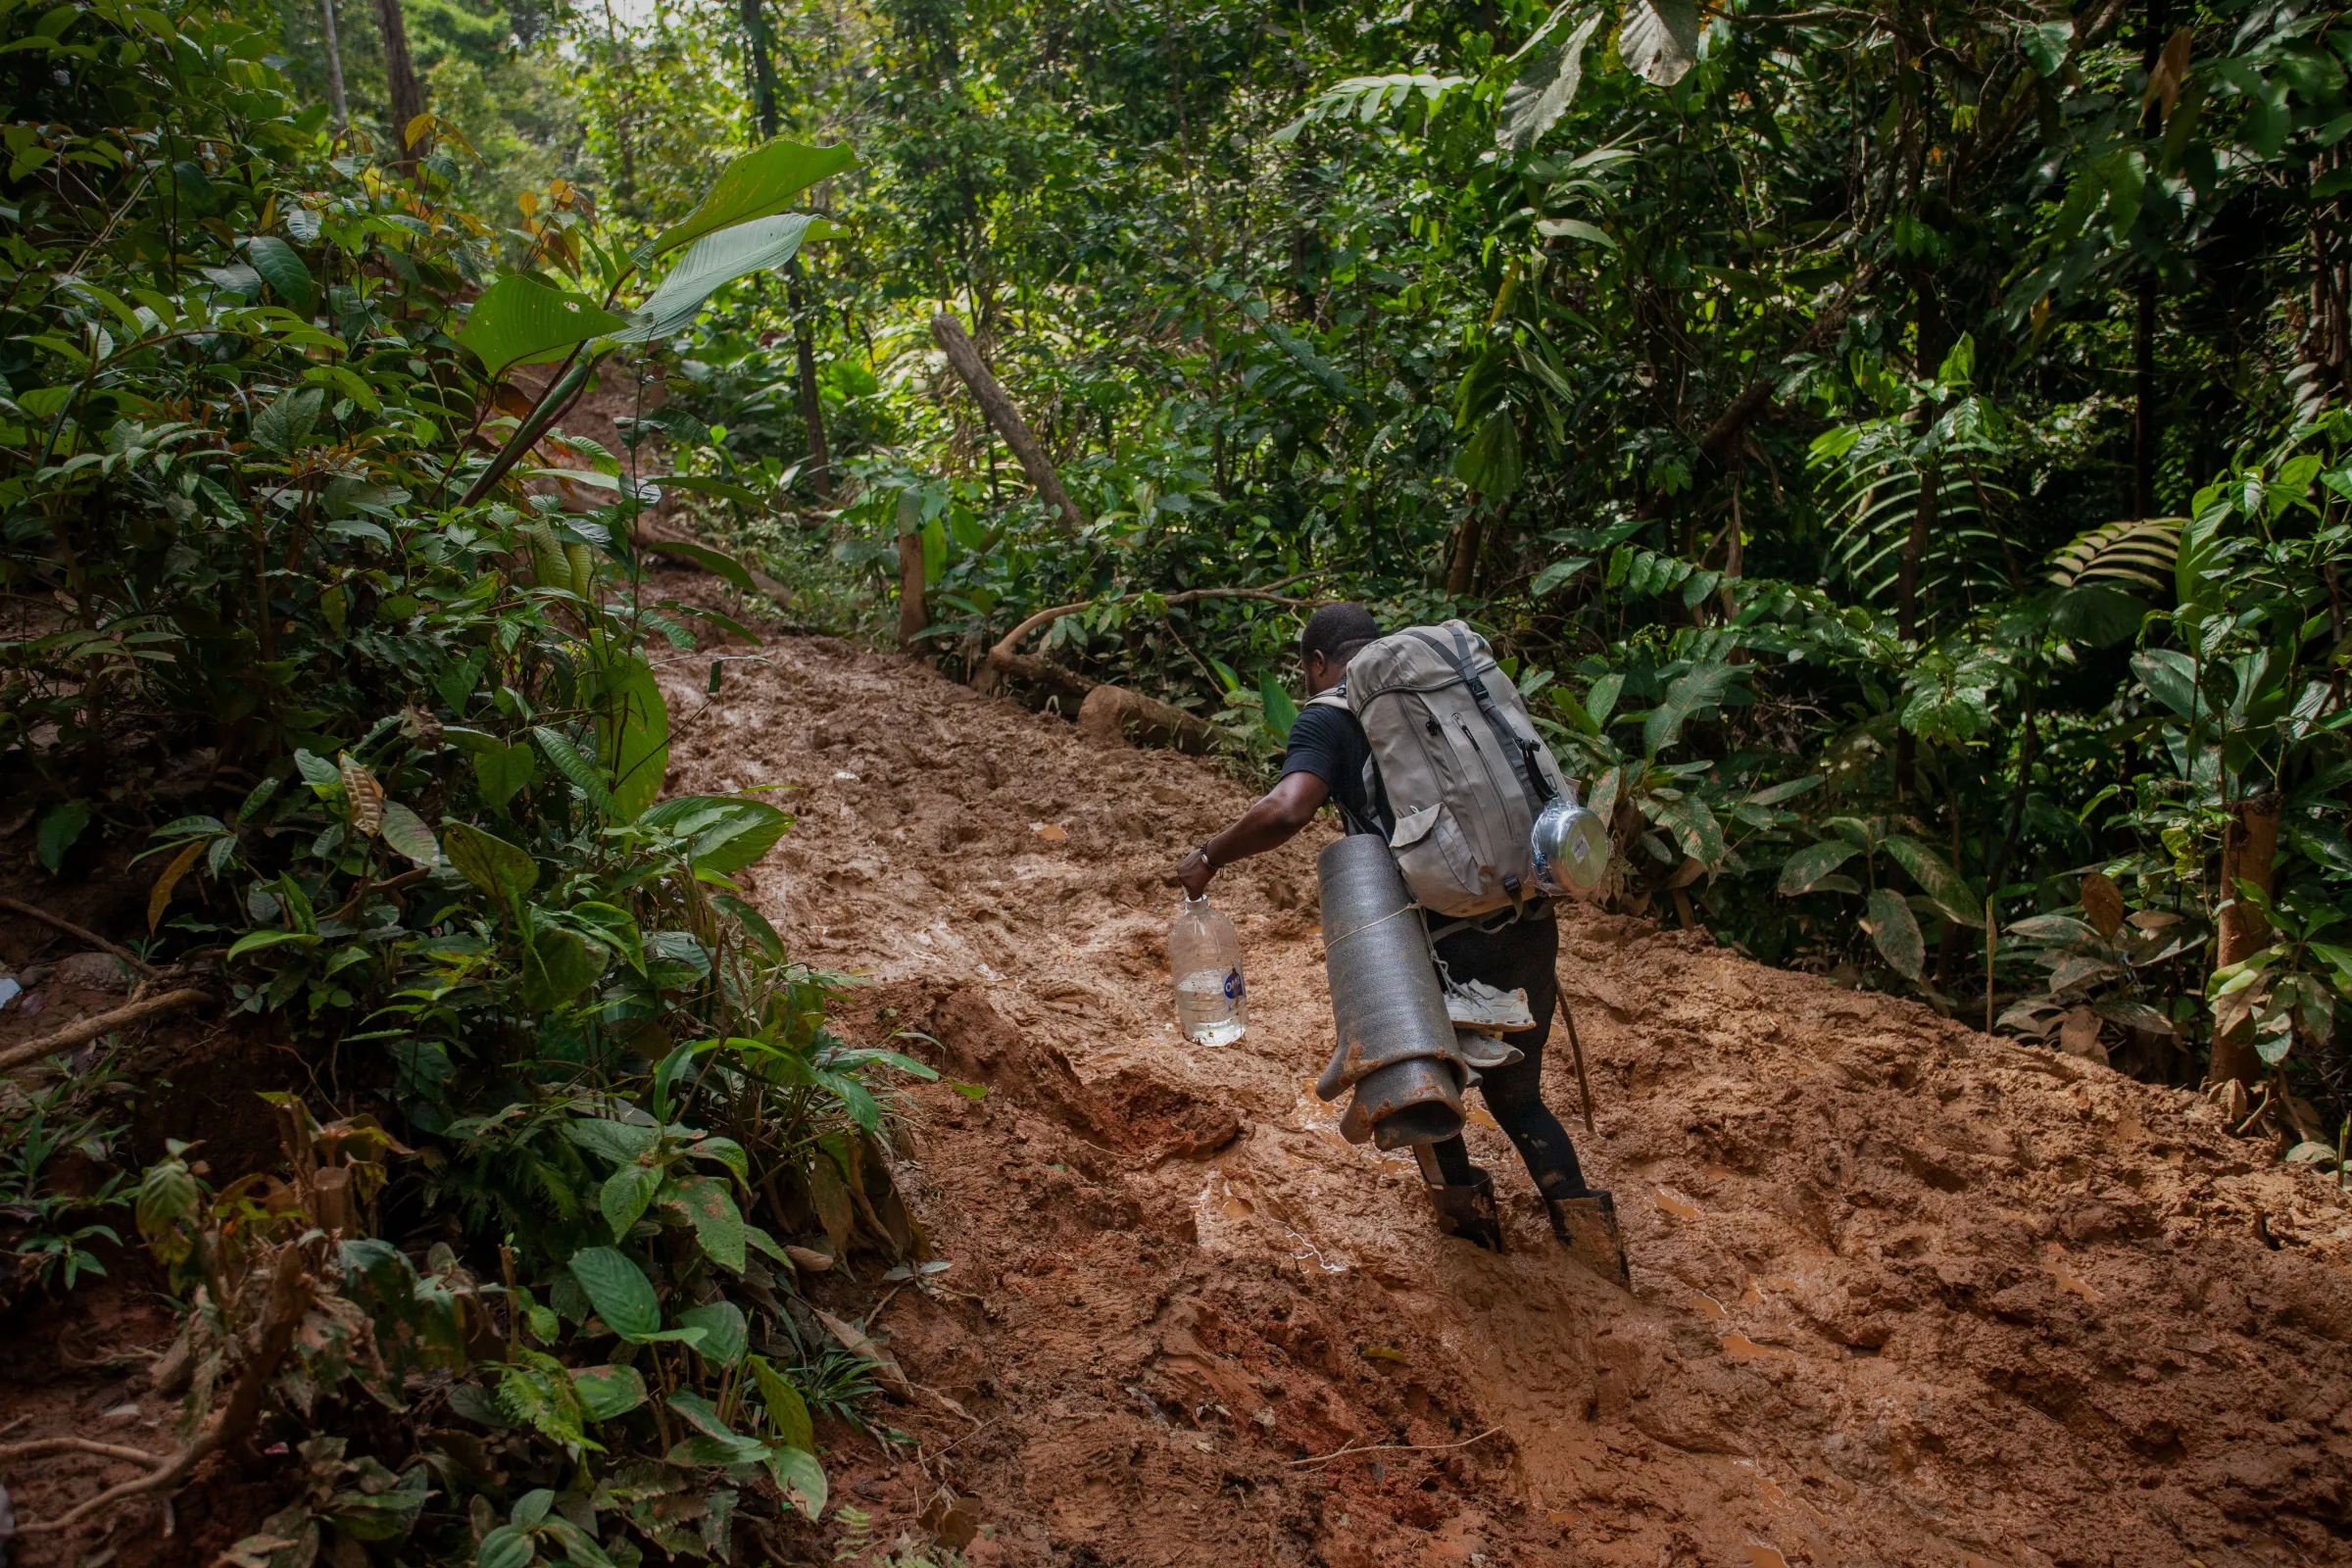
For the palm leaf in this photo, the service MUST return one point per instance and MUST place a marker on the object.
(2138, 550)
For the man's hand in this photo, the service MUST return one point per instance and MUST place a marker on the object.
(1286, 808)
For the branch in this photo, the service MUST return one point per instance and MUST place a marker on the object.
(34, 912)
(1394, 1447)
(291, 1291)
(1011, 640)
(1724, 436)
(1006, 418)
(84, 1030)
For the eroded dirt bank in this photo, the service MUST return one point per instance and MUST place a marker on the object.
(1903, 1295)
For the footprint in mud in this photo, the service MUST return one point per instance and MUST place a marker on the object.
(1160, 1121)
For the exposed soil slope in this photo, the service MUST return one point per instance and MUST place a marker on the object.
(1903, 1293)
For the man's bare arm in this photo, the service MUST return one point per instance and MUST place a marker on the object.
(1270, 823)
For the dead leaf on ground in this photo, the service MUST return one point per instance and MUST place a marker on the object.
(858, 1343)
(2079, 1035)
(815, 1262)
(2103, 902)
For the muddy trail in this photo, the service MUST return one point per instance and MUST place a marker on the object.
(1902, 1294)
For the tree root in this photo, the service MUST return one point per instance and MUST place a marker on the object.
(291, 1291)
(36, 912)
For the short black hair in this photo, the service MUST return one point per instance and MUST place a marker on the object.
(1336, 630)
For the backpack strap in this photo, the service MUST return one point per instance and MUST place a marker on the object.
(1518, 750)
(1336, 697)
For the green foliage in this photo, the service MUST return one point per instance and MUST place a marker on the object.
(265, 473)
(47, 1228)
(1753, 381)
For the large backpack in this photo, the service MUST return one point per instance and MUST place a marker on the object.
(1464, 769)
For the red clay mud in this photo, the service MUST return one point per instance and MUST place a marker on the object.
(1903, 1293)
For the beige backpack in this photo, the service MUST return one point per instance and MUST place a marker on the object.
(1464, 769)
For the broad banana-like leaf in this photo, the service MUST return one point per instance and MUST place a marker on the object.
(519, 319)
(634, 738)
(759, 184)
(716, 259)
(1534, 103)
(1660, 39)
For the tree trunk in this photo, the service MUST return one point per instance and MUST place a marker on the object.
(1006, 419)
(2144, 406)
(1465, 552)
(1923, 517)
(2143, 314)
(763, 66)
(408, 98)
(913, 617)
(334, 67)
(813, 406)
(2246, 857)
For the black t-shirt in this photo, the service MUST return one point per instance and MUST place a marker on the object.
(1330, 744)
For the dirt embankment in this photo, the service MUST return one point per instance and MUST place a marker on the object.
(1903, 1295)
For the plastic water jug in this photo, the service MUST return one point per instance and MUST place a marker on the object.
(1204, 954)
(1571, 845)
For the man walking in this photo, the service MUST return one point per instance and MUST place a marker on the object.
(1330, 761)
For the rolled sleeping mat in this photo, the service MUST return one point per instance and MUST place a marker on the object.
(1395, 1047)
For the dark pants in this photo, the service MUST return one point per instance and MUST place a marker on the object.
(1523, 953)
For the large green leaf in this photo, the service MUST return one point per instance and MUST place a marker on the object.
(1534, 103)
(2172, 677)
(795, 1471)
(727, 834)
(633, 733)
(490, 862)
(620, 1142)
(575, 769)
(718, 1222)
(626, 1195)
(283, 269)
(506, 1547)
(1660, 39)
(786, 1409)
(1275, 703)
(716, 259)
(500, 772)
(1489, 462)
(1688, 696)
(761, 183)
(609, 1391)
(724, 1333)
(619, 1290)
(1895, 930)
(1807, 866)
(559, 964)
(1944, 887)
(285, 425)
(518, 319)
(404, 831)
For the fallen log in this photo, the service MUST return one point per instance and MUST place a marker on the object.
(1113, 716)
(84, 1030)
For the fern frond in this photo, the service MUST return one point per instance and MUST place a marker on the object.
(1367, 98)
(2138, 550)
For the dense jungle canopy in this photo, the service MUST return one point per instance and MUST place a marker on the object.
(1901, 450)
